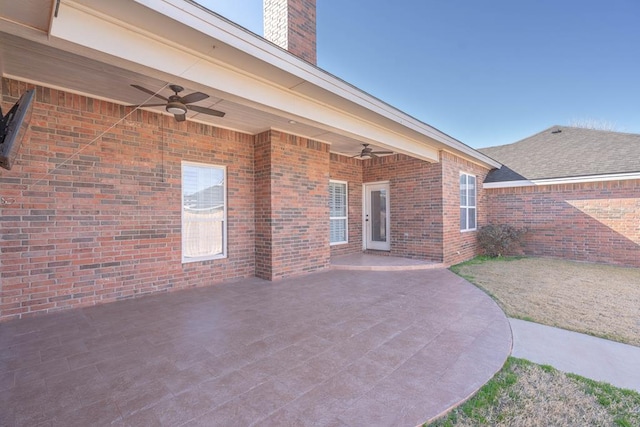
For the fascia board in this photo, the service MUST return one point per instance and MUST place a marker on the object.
(311, 75)
(247, 42)
(82, 27)
(508, 184)
(564, 181)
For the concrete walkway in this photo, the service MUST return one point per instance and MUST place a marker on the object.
(596, 358)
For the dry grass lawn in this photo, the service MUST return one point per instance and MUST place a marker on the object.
(525, 394)
(595, 299)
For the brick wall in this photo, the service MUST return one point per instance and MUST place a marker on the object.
(349, 170)
(594, 222)
(415, 188)
(297, 218)
(276, 21)
(302, 29)
(97, 222)
(263, 181)
(460, 246)
(291, 24)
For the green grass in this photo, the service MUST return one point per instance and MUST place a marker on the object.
(496, 400)
(481, 259)
(471, 279)
(477, 260)
(623, 404)
(475, 408)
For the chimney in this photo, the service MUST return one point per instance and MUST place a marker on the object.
(291, 24)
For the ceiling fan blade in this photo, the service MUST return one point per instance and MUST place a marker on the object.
(180, 117)
(193, 97)
(204, 110)
(373, 155)
(150, 92)
(147, 105)
(382, 152)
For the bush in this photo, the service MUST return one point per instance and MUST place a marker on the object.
(498, 240)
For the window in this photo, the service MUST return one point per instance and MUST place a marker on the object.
(467, 202)
(204, 212)
(338, 212)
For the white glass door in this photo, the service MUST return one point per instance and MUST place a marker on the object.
(376, 216)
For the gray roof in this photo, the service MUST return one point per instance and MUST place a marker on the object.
(562, 152)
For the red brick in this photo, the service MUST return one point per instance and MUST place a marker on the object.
(139, 175)
(594, 222)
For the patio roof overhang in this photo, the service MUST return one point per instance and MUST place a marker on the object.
(99, 49)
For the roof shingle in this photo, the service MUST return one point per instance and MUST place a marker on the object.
(562, 152)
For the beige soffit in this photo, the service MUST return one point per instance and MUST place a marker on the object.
(36, 14)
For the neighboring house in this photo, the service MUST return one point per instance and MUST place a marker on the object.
(576, 190)
(102, 200)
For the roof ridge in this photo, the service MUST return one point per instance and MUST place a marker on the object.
(566, 151)
(599, 130)
(560, 127)
(521, 140)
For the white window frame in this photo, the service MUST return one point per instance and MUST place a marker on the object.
(185, 164)
(467, 206)
(345, 218)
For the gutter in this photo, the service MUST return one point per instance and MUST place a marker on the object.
(563, 181)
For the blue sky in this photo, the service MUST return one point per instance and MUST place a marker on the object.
(485, 72)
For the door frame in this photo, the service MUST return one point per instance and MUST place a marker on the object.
(366, 244)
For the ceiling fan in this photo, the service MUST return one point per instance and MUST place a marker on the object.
(368, 152)
(178, 105)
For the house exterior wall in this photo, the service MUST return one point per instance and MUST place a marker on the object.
(104, 224)
(292, 205)
(594, 222)
(97, 217)
(459, 246)
(415, 188)
(349, 170)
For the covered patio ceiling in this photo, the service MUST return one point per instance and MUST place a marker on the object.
(100, 49)
(38, 63)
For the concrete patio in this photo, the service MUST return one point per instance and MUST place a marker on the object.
(339, 348)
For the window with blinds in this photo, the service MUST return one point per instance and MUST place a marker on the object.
(204, 212)
(467, 202)
(338, 212)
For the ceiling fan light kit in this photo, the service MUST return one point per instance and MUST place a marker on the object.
(176, 108)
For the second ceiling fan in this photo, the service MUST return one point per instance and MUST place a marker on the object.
(179, 105)
(368, 152)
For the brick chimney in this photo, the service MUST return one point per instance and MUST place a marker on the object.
(291, 24)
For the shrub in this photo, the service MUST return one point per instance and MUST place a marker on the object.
(499, 239)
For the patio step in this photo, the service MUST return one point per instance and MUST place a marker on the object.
(387, 267)
(366, 262)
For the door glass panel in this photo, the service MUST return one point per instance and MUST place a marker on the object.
(379, 216)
